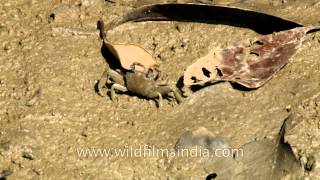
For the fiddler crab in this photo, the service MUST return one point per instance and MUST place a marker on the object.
(146, 83)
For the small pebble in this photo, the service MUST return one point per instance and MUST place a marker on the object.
(28, 155)
(35, 98)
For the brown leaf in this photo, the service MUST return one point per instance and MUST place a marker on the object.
(201, 69)
(250, 63)
(129, 54)
(257, 21)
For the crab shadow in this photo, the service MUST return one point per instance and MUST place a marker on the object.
(110, 61)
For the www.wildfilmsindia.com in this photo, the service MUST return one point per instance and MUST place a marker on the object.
(151, 151)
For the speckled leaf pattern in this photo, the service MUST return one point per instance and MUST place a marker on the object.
(250, 63)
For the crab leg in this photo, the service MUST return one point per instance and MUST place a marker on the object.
(105, 78)
(160, 100)
(102, 83)
(116, 77)
(177, 96)
(118, 87)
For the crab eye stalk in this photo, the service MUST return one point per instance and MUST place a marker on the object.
(149, 74)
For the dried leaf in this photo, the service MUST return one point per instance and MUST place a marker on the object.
(250, 63)
(257, 21)
(200, 72)
(202, 69)
(129, 54)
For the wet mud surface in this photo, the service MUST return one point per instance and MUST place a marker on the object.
(50, 63)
